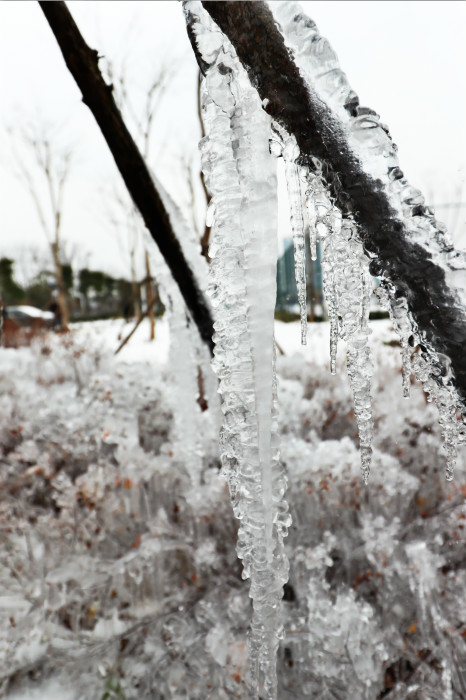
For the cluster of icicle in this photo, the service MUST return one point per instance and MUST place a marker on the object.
(241, 178)
(373, 146)
(347, 282)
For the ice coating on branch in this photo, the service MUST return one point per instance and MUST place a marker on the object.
(372, 146)
(241, 177)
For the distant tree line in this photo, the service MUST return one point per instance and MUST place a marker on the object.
(90, 293)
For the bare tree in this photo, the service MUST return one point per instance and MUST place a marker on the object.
(45, 181)
(142, 118)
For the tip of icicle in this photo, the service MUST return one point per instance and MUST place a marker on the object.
(366, 459)
(304, 332)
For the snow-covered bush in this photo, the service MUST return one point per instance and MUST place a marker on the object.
(118, 569)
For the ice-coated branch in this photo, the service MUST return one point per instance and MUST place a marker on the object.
(407, 245)
(82, 62)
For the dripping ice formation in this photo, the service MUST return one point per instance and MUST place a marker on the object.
(241, 177)
(370, 142)
(282, 144)
(347, 283)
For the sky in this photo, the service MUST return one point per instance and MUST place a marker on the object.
(404, 59)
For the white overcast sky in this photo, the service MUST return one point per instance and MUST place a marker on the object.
(404, 59)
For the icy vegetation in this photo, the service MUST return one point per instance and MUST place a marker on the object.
(118, 575)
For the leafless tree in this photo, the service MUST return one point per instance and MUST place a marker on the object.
(142, 118)
(43, 164)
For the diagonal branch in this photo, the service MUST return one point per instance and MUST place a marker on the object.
(82, 62)
(434, 304)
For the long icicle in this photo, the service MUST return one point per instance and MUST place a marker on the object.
(290, 153)
(240, 175)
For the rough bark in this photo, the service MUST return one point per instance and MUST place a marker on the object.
(150, 299)
(251, 29)
(61, 289)
(82, 62)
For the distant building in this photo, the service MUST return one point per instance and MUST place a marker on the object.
(287, 293)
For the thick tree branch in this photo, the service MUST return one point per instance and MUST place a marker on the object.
(82, 61)
(251, 29)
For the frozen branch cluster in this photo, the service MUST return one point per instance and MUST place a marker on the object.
(240, 176)
(371, 144)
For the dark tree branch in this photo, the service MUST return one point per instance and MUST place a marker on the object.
(82, 62)
(251, 29)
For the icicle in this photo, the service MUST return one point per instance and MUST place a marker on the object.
(399, 319)
(347, 287)
(241, 178)
(320, 212)
(187, 351)
(398, 309)
(436, 382)
(296, 198)
(435, 377)
(330, 292)
(312, 217)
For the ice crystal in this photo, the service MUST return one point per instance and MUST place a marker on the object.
(240, 175)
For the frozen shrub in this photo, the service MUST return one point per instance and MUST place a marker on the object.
(119, 573)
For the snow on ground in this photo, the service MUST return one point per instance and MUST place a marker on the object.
(118, 573)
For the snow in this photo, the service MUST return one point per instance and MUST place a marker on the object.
(110, 333)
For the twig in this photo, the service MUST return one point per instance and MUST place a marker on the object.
(139, 321)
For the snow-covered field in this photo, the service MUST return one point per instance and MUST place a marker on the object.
(118, 572)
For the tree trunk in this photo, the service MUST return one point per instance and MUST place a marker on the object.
(62, 300)
(150, 300)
